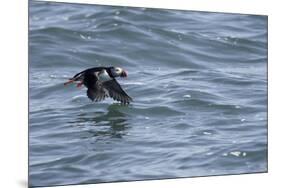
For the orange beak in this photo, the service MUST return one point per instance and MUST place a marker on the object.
(124, 74)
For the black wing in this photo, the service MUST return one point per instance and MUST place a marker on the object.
(95, 91)
(96, 95)
(87, 71)
(116, 92)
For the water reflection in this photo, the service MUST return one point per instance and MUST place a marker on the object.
(112, 123)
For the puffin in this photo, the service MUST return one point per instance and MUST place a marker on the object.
(101, 83)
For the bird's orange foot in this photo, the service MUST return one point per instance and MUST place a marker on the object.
(70, 81)
(79, 84)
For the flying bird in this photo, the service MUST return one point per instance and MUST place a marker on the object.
(101, 83)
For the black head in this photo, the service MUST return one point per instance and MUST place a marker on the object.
(117, 71)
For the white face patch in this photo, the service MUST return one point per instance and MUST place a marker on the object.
(118, 70)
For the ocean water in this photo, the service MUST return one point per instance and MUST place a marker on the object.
(198, 80)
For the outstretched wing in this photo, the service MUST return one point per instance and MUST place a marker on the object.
(116, 92)
(96, 92)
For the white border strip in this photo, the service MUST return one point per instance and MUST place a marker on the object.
(13, 129)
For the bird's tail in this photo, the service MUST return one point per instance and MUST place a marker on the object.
(77, 77)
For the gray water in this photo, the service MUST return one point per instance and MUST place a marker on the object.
(198, 80)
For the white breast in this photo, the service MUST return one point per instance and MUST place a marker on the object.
(103, 76)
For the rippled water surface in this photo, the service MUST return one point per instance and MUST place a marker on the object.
(198, 80)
